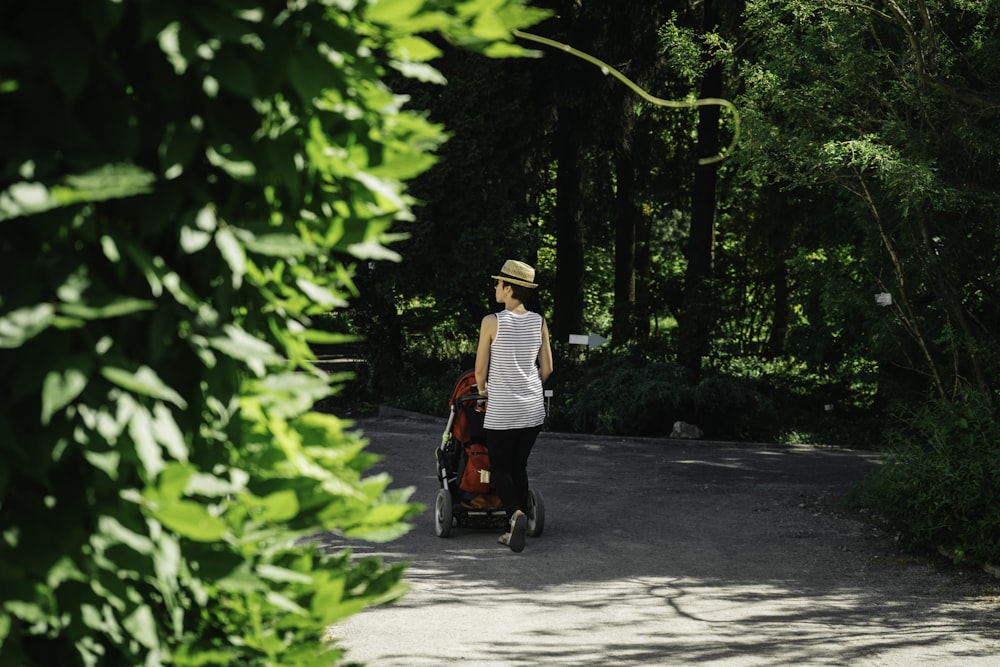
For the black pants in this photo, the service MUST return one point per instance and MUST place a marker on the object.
(509, 452)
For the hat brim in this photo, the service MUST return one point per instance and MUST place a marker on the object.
(516, 281)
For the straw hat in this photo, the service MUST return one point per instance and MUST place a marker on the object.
(518, 273)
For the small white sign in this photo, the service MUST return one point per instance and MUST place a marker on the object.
(883, 299)
(548, 393)
(592, 340)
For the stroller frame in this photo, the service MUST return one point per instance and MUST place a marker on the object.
(467, 409)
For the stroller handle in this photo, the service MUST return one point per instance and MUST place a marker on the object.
(467, 398)
(456, 403)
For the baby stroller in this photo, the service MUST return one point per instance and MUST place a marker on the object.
(466, 497)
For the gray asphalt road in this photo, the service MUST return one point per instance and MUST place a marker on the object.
(660, 552)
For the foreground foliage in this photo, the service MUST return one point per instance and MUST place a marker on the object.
(185, 189)
(938, 486)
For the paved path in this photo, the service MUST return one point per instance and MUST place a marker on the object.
(661, 552)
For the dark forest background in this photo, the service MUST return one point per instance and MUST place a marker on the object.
(866, 164)
(832, 281)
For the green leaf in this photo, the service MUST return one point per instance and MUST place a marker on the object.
(194, 656)
(173, 481)
(193, 240)
(142, 627)
(278, 506)
(108, 462)
(61, 387)
(414, 49)
(344, 609)
(420, 72)
(232, 252)
(112, 531)
(114, 308)
(168, 433)
(291, 394)
(29, 612)
(320, 295)
(169, 40)
(387, 513)
(330, 587)
(192, 520)
(167, 560)
(489, 27)
(146, 446)
(143, 381)
(282, 574)
(63, 570)
(115, 181)
(238, 169)
(204, 484)
(282, 602)
(372, 249)
(24, 199)
(389, 12)
(5, 622)
(240, 345)
(509, 50)
(378, 533)
(19, 326)
(275, 245)
(240, 580)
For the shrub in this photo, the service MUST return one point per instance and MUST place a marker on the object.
(940, 483)
(620, 392)
(618, 397)
(733, 409)
(795, 398)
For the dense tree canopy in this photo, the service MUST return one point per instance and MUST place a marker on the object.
(880, 127)
(836, 270)
(867, 165)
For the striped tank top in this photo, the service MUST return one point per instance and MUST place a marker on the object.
(516, 398)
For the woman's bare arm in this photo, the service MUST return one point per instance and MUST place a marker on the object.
(487, 333)
(545, 354)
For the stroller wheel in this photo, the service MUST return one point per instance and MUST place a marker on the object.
(443, 513)
(536, 513)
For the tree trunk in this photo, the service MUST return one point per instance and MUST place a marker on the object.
(698, 319)
(782, 298)
(623, 322)
(568, 288)
(643, 311)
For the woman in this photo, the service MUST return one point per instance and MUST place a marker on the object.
(513, 359)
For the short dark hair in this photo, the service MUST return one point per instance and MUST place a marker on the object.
(526, 295)
(520, 292)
